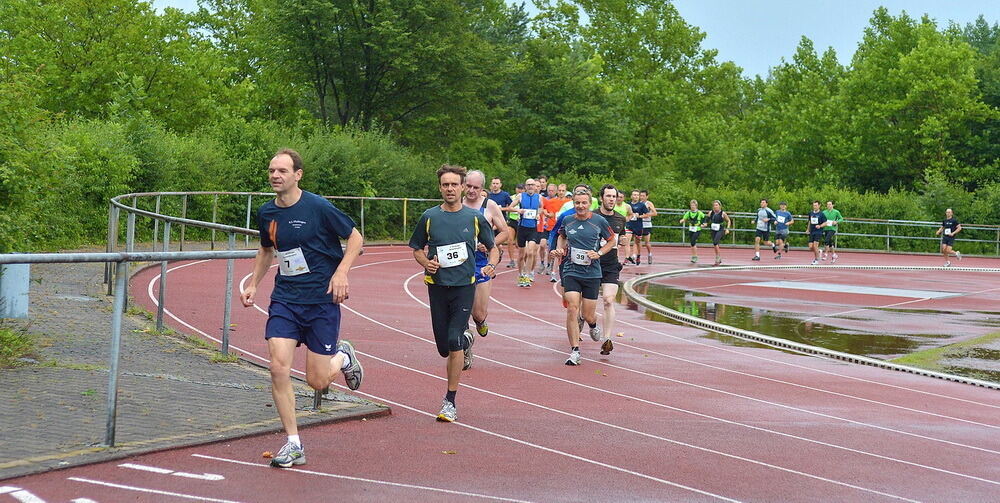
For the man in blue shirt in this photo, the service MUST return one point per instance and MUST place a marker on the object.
(304, 230)
(503, 200)
(783, 220)
(580, 243)
(817, 221)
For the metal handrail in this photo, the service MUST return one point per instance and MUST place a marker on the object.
(777, 342)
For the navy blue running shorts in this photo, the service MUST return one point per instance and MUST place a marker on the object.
(316, 325)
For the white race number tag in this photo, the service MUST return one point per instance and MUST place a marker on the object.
(530, 214)
(947, 231)
(781, 219)
(452, 255)
(693, 228)
(814, 220)
(292, 262)
(579, 256)
(716, 227)
(647, 223)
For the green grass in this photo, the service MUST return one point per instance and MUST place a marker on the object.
(931, 359)
(15, 343)
(221, 358)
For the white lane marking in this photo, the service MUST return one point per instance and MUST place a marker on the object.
(787, 435)
(8, 489)
(760, 400)
(814, 369)
(148, 490)
(463, 425)
(360, 479)
(853, 289)
(164, 471)
(22, 495)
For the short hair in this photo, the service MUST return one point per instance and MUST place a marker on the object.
(296, 158)
(830, 201)
(581, 185)
(582, 192)
(815, 202)
(495, 178)
(477, 173)
(695, 201)
(606, 187)
(782, 204)
(644, 191)
(519, 186)
(717, 202)
(450, 168)
(763, 200)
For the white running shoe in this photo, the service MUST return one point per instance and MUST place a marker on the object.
(947, 264)
(574, 358)
(958, 255)
(448, 414)
(354, 374)
(814, 262)
(595, 333)
(834, 261)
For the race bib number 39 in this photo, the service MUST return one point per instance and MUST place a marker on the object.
(452, 255)
(579, 256)
(292, 262)
(530, 214)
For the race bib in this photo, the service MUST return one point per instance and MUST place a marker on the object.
(694, 228)
(947, 231)
(529, 214)
(814, 220)
(452, 255)
(292, 262)
(781, 219)
(579, 256)
(647, 223)
(716, 227)
(603, 242)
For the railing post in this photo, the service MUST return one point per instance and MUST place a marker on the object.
(121, 287)
(887, 237)
(107, 247)
(156, 223)
(363, 219)
(184, 212)
(249, 199)
(404, 217)
(228, 307)
(215, 215)
(114, 245)
(129, 241)
(163, 278)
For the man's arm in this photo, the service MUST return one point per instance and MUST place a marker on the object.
(262, 262)
(338, 283)
(497, 220)
(652, 209)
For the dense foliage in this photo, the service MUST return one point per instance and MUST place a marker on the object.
(103, 98)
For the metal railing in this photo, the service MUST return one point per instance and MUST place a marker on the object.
(777, 342)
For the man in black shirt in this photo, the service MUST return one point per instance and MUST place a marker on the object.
(949, 228)
(611, 267)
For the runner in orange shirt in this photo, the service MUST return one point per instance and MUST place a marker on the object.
(550, 209)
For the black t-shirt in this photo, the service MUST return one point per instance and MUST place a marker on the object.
(617, 223)
(950, 225)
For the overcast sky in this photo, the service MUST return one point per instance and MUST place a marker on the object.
(756, 34)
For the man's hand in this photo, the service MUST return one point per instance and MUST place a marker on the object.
(558, 252)
(481, 248)
(488, 270)
(432, 266)
(247, 296)
(338, 287)
(592, 255)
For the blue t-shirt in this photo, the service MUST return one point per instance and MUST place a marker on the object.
(639, 209)
(584, 235)
(559, 222)
(313, 226)
(502, 198)
(781, 224)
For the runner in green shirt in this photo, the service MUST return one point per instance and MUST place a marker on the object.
(693, 219)
(834, 218)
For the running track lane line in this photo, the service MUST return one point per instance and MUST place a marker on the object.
(794, 365)
(788, 435)
(149, 491)
(785, 406)
(428, 414)
(359, 479)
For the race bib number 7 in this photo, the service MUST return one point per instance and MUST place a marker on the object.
(292, 262)
(452, 255)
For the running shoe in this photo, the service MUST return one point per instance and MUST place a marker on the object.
(649, 259)
(468, 350)
(774, 248)
(786, 247)
(823, 257)
(482, 328)
(607, 347)
(290, 454)
(531, 278)
(718, 260)
(595, 333)
(694, 259)
(574, 358)
(553, 280)
(512, 264)
(522, 281)
(958, 255)
(814, 262)
(834, 261)
(777, 257)
(448, 414)
(947, 264)
(354, 374)
(756, 258)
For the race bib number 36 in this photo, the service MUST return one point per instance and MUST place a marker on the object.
(579, 256)
(452, 255)
(292, 262)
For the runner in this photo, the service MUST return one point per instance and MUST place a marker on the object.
(647, 227)
(512, 218)
(449, 232)
(765, 216)
(489, 208)
(610, 266)
(625, 238)
(563, 193)
(529, 207)
(543, 185)
(948, 230)
(550, 210)
(830, 232)
(693, 218)
(783, 220)
(579, 241)
(639, 210)
(715, 220)
(564, 210)
(817, 221)
(305, 231)
(503, 200)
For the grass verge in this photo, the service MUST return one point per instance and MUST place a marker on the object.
(932, 359)
(15, 343)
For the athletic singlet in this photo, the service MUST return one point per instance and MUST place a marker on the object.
(532, 202)
(622, 209)
(716, 219)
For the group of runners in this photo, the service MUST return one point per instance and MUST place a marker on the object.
(821, 228)
(573, 235)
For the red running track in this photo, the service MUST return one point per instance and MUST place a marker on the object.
(669, 416)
